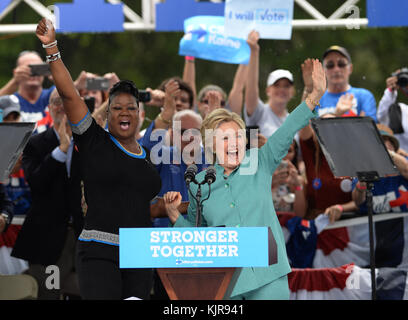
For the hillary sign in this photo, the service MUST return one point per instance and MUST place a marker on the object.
(204, 38)
(193, 247)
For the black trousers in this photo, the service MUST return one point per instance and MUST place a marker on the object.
(100, 277)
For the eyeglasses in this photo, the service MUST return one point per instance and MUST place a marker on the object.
(222, 102)
(331, 64)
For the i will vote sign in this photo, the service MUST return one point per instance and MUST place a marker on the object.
(271, 18)
(193, 247)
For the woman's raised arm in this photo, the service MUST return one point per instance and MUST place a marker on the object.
(74, 106)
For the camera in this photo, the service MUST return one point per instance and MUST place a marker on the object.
(144, 96)
(97, 84)
(402, 77)
(41, 69)
(283, 165)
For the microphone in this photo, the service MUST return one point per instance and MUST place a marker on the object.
(210, 175)
(189, 175)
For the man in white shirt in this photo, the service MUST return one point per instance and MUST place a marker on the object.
(397, 120)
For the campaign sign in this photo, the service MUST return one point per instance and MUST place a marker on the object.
(271, 18)
(387, 13)
(89, 16)
(193, 247)
(4, 4)
(170, 14)
(204, 38)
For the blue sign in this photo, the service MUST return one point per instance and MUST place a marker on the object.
(4, 4)
(89, 16)
(193, 247)
(171, 14)
(387, 13)
(204, 38)
(271, 18)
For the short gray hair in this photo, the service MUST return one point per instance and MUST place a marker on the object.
(211, 87)
(187, 112)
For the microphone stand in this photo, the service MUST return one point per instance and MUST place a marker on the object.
(199, 202)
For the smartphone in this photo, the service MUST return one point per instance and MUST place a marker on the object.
(282, 165)
(144, 96)
(90, 103)
(248, 130)
(42, 69)
(97, 84)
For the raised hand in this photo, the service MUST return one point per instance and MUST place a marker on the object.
(214, 102)
(45, 31)
(21, 73)
(80, 82)
(172, 90)
(307, 68)
(252, 40)
(319, 79)
(391, 82)
(157, 97)
(319, 85)
(344, 104)
(294, 179)
(112, 77)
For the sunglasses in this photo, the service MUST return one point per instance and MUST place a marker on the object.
(222, 102)
(332, 64)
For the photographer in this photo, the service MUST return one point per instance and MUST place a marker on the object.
(27, 85)
(392, 113)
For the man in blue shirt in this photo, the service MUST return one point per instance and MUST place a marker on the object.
(172, 161)
(340, 97)
(28, 88)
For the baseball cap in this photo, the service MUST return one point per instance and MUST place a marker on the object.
(277, 75)
(338, 49)
(9, 104)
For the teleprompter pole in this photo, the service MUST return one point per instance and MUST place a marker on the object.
(369, 178)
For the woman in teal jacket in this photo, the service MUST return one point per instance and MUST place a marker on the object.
(241, 194)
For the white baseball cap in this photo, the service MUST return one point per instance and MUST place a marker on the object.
(277, 75)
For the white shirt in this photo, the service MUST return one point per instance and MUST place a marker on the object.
(265, 118)
(386, 101)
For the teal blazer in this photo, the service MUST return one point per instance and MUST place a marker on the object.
(244, 198)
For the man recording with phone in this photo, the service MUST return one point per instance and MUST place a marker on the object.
(392, 113)
(27, 85)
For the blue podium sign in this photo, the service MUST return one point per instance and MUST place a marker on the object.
(193, 247)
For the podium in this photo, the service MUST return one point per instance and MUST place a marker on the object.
(197, 263)
(197, 283)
